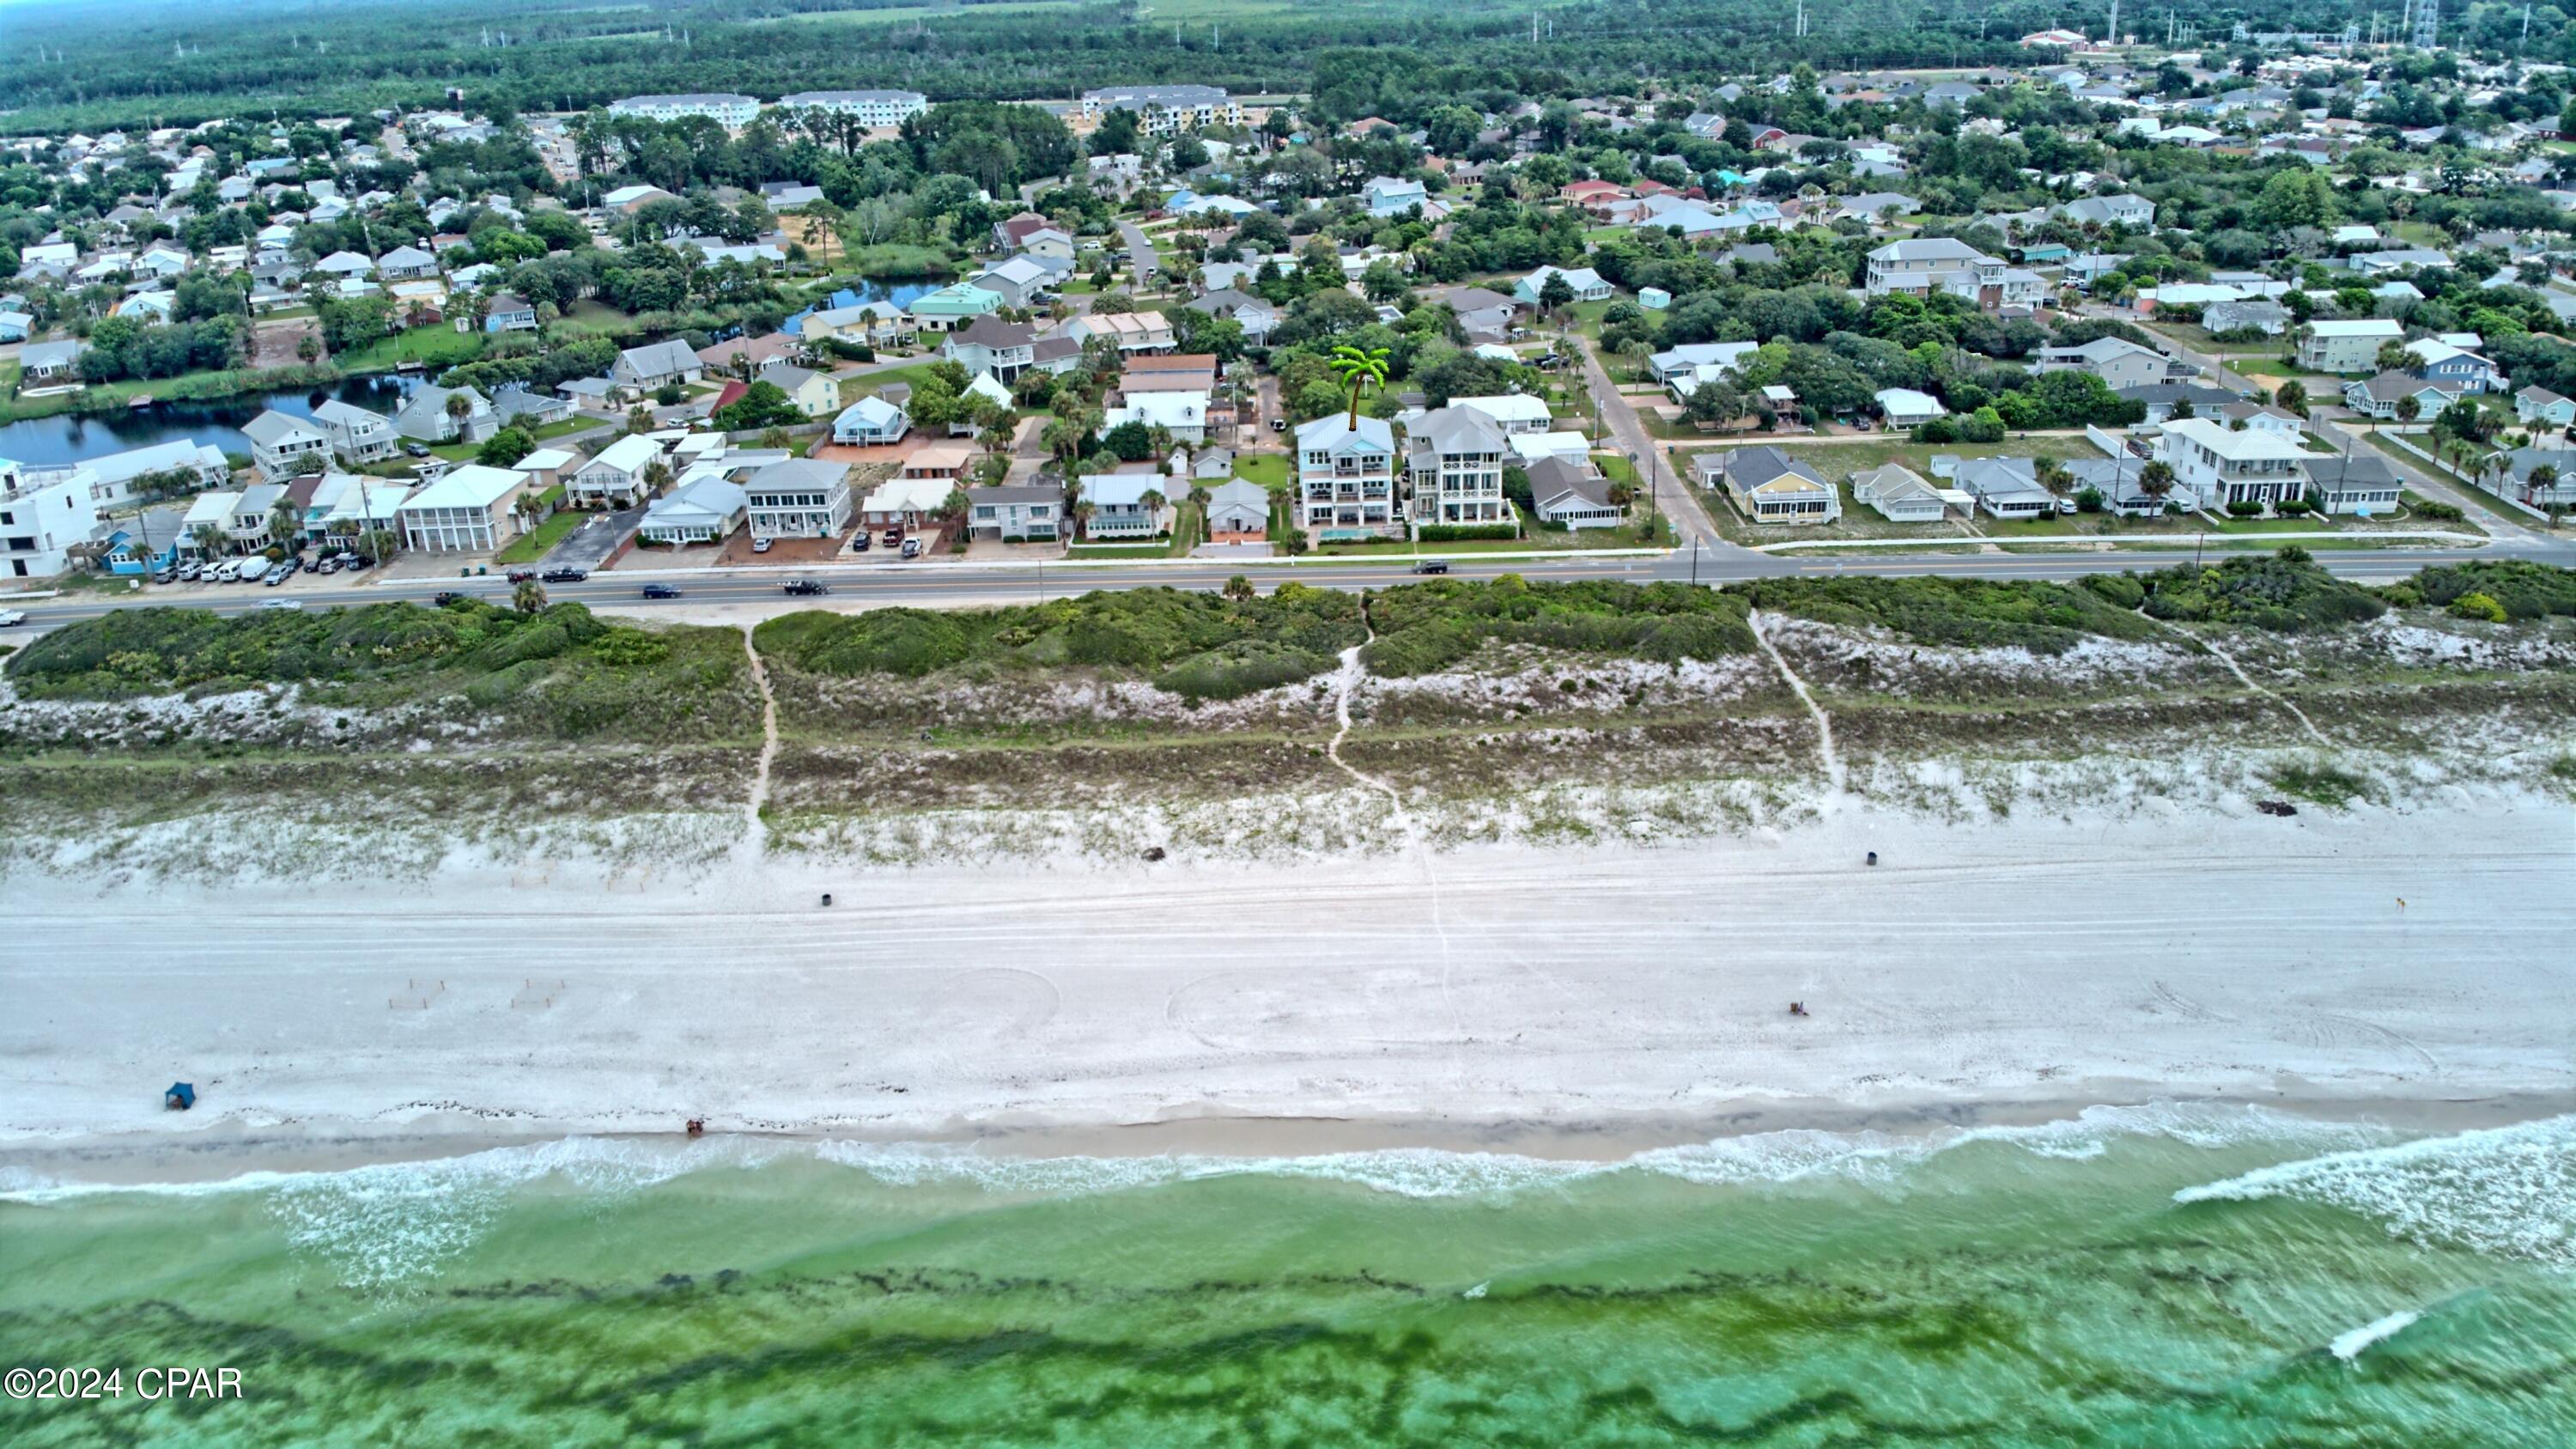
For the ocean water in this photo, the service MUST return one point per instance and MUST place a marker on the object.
(2152, 1276)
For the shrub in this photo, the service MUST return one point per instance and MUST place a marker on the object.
(2285, 593)
(2438, 512)
(2088, 500)
(1461, 532)
(2122, 590)
(2522, 589)
(2044, 618)
(1423, 628)
(2477, 606)
(2293, 507)
(2244, 509)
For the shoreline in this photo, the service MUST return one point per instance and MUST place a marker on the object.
(231, 1151)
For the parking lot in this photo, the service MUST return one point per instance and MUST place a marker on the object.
(589, 546)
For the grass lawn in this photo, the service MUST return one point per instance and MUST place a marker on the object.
(537, 542)
(433, 347)
(1838, 460)
(911, 375)
(1270, 470)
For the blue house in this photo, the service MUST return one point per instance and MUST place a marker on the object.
(126, 553)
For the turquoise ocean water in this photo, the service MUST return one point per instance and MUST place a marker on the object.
(2151, 1276)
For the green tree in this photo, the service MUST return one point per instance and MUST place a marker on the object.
(1362, 369)
(2299, 196)
(528, 596)
(506, 447)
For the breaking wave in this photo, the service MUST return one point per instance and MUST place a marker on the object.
(2508, 1191)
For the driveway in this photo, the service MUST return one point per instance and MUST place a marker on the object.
(589, 546)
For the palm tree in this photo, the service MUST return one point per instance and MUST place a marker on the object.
(1239, 587)
(657, 476)
(2156, 480)
(528, 596)
(2542, 478)
(285, 521)
(638, 420)
(1153, 502)
(209, 539)
(2052, 475)
(460, 406)
(1360, 370)
(2408, 410)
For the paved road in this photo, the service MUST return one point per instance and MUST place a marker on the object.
(1672, 494)
(943, 583)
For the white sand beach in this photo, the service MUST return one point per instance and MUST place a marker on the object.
(2023, 961)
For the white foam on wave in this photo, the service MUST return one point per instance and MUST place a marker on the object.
(389, 1223)
(2348, 1346)
(2508, 1191)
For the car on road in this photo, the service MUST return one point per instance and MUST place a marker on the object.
(660, 591)
(760, 545)
(444, 597)
(1278, 425)
(522, 576)
(860, 541)
(281, 603)
(12, 618)
(912, 548)
(808, 586)
(564, 575)
(1431, 566)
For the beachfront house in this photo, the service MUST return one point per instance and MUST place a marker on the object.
(1769, 486)
(1015, 512)
(282, 446)
(1346, 478)
(466, 511)
(798, 498)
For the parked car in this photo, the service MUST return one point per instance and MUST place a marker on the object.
(564, 575)
(1431, 566)
(329, 565)
(860, 542)
(164, 575)
(808, 586)
(12, 618)
(522, 576)
(443, 598)
(355, 561)
(417, 450)
(760, 545)
(660, 591)
(912, 548)
(1278, 425)
(894, 536)
(281, 603)
(277, 575)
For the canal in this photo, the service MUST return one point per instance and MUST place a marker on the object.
(78, 437)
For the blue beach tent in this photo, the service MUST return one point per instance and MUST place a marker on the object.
(181, 1096)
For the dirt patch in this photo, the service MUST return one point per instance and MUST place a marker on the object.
(273, 343)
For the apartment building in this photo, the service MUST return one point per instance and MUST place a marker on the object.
(724, 107)
(1165, 110)
(873, 108)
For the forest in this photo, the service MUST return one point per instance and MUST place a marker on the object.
(171, 62)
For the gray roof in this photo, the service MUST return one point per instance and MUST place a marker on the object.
(799, 473)
(1455, 430)
(1553, 478)
(273, 427)
(2361, 470)
(1015, 493)
(1752, 467)
(655, 358)
(1333, 431)
(2169, 393)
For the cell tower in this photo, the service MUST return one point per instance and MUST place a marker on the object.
(2428, 23)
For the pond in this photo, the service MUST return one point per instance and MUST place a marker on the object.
(78, 437)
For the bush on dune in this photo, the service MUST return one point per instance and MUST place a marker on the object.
(2043, 618)
(1425, 628)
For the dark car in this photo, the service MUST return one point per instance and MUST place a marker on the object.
(861, 542)
(660, 591)
(564, 576)
(355, 561)
(1431, 566)
(444, 597)
(808, 586)
(523, 576)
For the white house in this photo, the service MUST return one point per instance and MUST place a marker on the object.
(1182, 413)
(870, 422)
(615, 477)
(642, 369)
(1016, 511)
(280, 443)
(1512, 412)
(1456, 460)
(1903, 407)
(798, 498)
(703, 509)
(356, 435)
(467, 511)
(1118, 504)
(1572, 493)
(2223, 467)
(1770, 486)
(43, 515)
(1899, 494)
(2347, 346)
